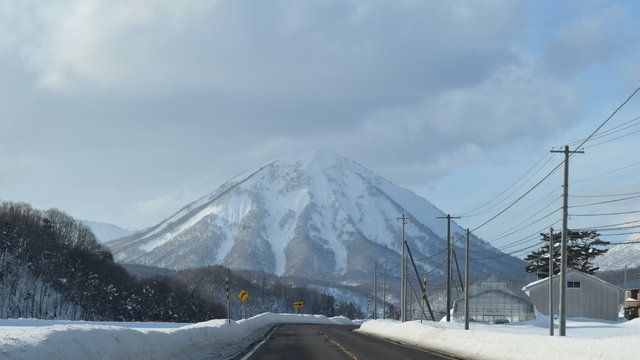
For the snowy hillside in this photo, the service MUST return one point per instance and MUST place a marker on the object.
(619, 256)
(309, 214)
(106, 232)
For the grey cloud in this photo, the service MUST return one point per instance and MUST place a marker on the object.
(127, 109)
(602, 32)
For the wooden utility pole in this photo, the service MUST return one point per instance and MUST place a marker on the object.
(375, 290)
(226, 287)
(403, 280)
(466, 285)
(448, 272)
(562, 313)
(551, 257)
(384, 293)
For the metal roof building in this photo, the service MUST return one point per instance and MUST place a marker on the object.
(587, 296)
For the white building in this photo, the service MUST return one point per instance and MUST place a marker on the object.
(587, 296)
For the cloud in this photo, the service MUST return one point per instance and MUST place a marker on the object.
(319, 49)
(123, 101)
(600, 33)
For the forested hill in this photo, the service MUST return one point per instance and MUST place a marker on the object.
(52, 267)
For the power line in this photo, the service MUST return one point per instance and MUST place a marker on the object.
(470, 212)
(622, 234)
(609, 195)
(609, 118)
(608, 226)
(605, 202)
(607, 173)
(611, 131)
(614, 139)
(528, 237)
(608, 214)
(503, 235)
(521, 197)
(527, 219)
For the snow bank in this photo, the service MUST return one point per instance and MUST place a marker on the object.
(40, 339)
(513, 341)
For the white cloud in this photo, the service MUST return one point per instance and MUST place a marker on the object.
(130, 98)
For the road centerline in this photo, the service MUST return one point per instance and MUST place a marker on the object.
(338, 345)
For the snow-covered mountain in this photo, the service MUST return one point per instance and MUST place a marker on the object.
(106, 232)
(621, 255)
(309, 214)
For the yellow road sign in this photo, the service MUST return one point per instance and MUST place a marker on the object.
(243, 295)
(298, 304)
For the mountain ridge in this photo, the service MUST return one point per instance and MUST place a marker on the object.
(309, 214)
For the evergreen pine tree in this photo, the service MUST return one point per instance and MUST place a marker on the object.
(582, 248)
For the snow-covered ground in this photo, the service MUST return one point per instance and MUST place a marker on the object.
(586, 338)
(215, 339)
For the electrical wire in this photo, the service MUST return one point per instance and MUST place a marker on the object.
(605, 202)
(500, 236)
(521, 197)
(609, 195)
(528, 237)
(607, 120)
(614, 139)
(608, 214)
(606, 173)
(471, 213)
(608, 226)
(611, 131)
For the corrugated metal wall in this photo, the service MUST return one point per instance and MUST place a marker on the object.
(591, 300)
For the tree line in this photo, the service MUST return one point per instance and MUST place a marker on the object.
(52, 267)
(267, 293)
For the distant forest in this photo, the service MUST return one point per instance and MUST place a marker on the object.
(52, 267)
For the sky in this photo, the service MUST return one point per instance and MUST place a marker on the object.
(124, 111)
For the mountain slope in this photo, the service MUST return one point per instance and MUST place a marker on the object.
(311, 215)
(106, 232)
(621, 255)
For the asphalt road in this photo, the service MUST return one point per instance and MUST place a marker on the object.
(326, 342)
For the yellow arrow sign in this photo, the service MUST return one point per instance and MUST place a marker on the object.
(298, 304)
(243, 295)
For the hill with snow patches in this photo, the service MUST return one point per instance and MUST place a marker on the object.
(619, 256)
(311, 215)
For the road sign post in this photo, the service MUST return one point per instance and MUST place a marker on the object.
(298, 305)
(243, 296)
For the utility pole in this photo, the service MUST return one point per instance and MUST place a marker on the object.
(424, 298)
(448, 217)
(551, 257)
(375, 290)
(226, 287)
(466, 285)
(384, 293)
(403, 281)
(563, 251)
(455, 258)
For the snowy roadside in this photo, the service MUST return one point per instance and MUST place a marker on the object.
(215, 339)
(591, 339)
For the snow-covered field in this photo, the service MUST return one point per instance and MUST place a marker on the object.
(586, 339)
(215, 339)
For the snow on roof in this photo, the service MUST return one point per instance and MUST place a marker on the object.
(579, 273)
